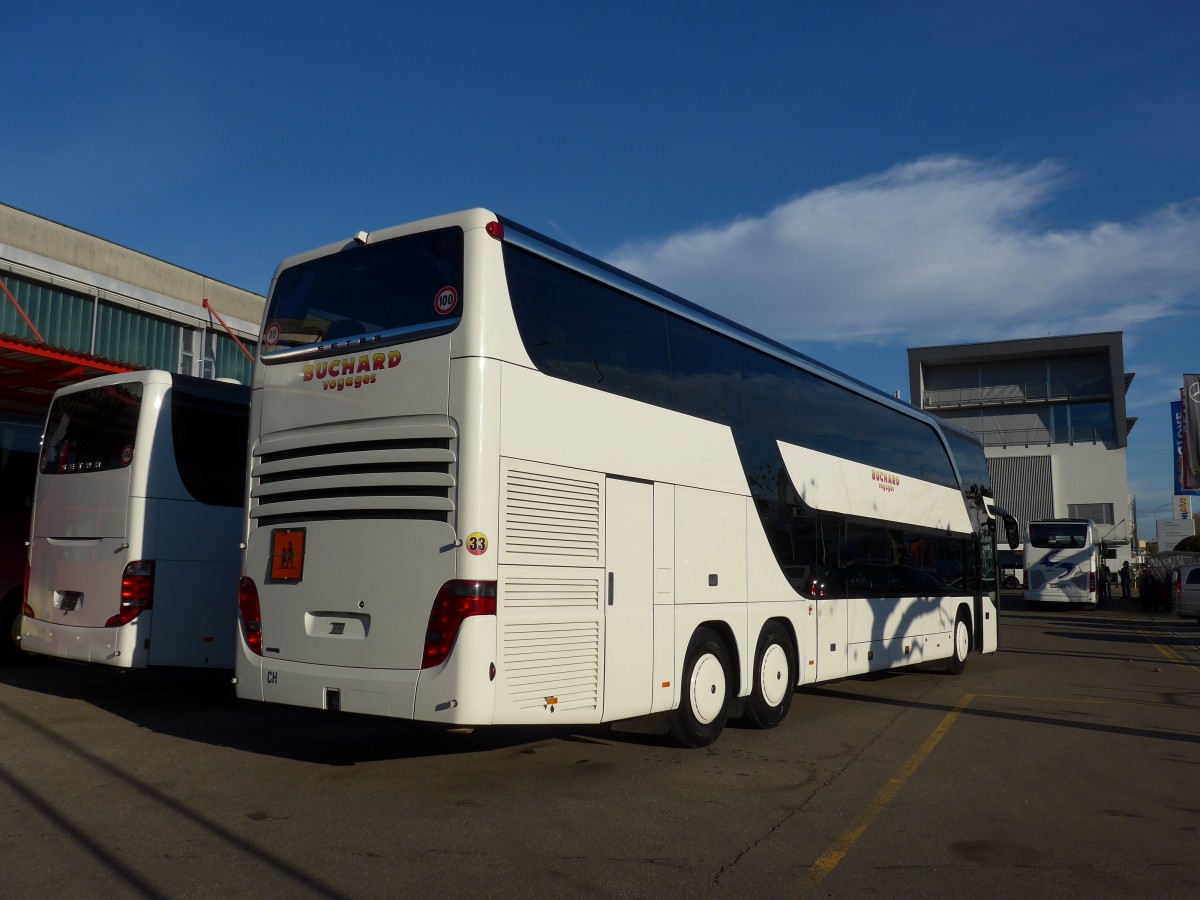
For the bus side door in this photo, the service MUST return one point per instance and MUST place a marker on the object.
(628, 599)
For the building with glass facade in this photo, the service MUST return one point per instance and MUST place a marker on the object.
(1051, 415)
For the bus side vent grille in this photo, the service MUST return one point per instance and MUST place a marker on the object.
(549, 519)
(551, 593)
(370, 473)
(552, 659)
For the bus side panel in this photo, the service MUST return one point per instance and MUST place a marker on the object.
(602, 432)
(710, 579)
(664, 597)
(195, 607)
(197, 561)
(906, 630)
(710, 547)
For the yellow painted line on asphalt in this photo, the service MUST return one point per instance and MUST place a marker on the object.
(844, 844)
(1167, 652)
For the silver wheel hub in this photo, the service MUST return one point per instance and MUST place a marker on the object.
(773, 676)
(707, 688)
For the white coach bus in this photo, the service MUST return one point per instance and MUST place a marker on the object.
(496, 481)
(137, 522)
(1062, 562)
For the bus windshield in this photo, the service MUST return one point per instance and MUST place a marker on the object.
(373, 289)
(92, 430)
(1049, 535)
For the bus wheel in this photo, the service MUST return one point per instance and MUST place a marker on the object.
(704, 703)
(10, 627)
(774, 678)
(960, 644)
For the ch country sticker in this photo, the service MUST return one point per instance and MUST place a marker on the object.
(886, 481)
(477, 543)
(446, 300)
(351, 371)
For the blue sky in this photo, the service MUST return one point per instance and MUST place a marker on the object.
(852, 178)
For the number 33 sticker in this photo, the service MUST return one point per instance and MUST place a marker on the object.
(477, 543)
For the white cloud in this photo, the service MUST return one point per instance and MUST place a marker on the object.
(940, 250)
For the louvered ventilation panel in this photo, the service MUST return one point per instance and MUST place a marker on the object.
(551, 516)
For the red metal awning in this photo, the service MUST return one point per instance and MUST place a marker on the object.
(30, 373)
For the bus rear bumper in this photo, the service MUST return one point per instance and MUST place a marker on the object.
(444, 694)
(117, 647)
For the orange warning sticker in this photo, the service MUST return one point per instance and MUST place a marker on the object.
(287, 554)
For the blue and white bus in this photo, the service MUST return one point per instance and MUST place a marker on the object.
(497, 481)
(1062, 562)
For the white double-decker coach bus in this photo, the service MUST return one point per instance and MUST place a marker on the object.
(497, 481)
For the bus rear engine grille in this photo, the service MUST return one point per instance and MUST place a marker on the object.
(363, 475)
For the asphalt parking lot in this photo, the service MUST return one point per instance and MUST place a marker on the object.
(1064, 765)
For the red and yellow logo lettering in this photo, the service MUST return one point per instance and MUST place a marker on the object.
(351, 371)
(885, 481)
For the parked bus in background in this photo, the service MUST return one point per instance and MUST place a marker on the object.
(134, 552)
(496, 481)
(19, 438)
(1062, 562)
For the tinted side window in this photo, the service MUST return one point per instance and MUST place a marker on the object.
(704, 372)
(972, 463)
(582, 331)
(209, 430)
(769, 396)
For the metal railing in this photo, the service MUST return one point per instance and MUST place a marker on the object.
(1005, 394)
(1025, 437)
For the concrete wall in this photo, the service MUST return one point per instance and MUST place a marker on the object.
(48, 248)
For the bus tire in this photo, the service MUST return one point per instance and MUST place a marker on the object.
(960, 643)
(774, 678)
(704, 691)
(10, 627)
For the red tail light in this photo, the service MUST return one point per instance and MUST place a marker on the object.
(26, 609)
(456, 601)
(251, 613)
(137, 592)
(1091, 582)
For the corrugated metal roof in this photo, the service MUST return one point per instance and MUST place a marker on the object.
(30, 372)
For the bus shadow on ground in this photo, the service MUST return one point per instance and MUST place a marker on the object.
(200, 706)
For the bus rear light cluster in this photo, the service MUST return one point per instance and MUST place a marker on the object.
(251, 613)
(26, 609)
(455, 602)
(1091, 582)
(137, 592)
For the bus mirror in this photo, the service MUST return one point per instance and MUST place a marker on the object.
(1012, 532)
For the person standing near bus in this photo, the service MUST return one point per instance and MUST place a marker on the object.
(1103, 585)
(1126, 579)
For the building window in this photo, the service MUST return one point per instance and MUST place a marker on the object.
(1100, 513)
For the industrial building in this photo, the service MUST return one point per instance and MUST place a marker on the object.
(1051, 415)
(73, 306)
